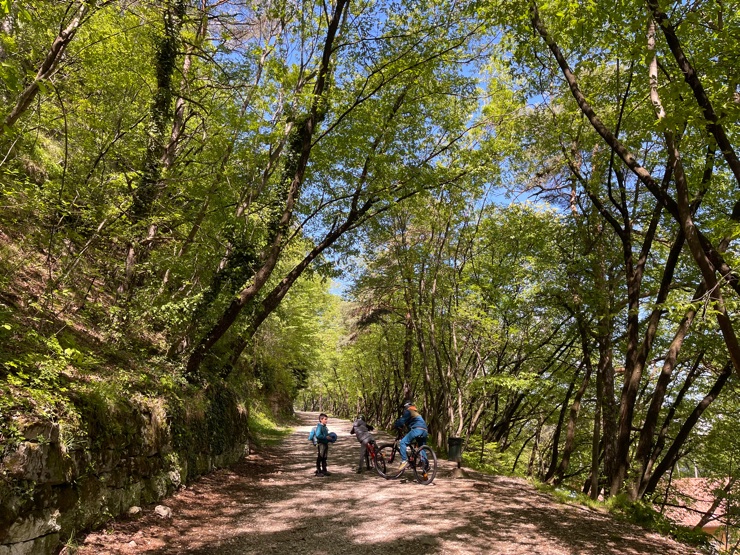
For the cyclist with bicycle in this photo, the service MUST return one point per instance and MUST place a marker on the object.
(413, 421)
(361, 430)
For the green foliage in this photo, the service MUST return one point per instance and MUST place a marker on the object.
(435, 111)
(645, 515)
(294, 342)
(36, 386)
(567, 496)
(640, 513)
(263, 428)
(224, 419)
(489, 459)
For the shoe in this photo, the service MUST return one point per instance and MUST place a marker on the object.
(360, 470)
(403, 466)
(319, 474)
(326, 473)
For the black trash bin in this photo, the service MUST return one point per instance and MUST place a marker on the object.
(454, 449)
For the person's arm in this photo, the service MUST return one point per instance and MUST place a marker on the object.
(403, 421)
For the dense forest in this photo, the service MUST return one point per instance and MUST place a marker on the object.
(521, 214)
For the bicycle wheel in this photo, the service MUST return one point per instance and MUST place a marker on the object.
(388, 461)
(426, 465)
(378, 460)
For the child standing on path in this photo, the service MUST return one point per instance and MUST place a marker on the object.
(322, 446)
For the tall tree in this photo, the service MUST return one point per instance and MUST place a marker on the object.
(338, 122)
(624, 190)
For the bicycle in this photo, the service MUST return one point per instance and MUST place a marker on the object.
(422, 460)
(372, 459)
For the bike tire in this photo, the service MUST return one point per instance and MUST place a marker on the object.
(425, 473)
(378, 462)
(388, 461)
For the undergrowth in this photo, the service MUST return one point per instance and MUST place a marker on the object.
(264, 428)
(489, 460)
(640, 513)
(643, 514)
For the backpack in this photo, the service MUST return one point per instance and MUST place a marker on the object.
(312, 435)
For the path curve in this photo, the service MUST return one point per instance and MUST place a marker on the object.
(271, 503)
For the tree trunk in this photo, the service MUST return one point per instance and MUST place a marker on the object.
(535, 448)
(570, 435)
(559, 428)
(293, 174)
(647, 433)
(692, 79)
(673, 452)
(708, 515)
(705, 255)
(150, 184)
(58, 46)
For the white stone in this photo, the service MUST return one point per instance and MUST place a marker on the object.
(163, 511)
(175, 478)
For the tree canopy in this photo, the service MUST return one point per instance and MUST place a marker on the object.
(532, 209)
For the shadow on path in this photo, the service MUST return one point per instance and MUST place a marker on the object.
(271, 503)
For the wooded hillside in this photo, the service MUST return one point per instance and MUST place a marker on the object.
(531, 210)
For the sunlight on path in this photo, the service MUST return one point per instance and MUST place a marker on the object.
(273, 504)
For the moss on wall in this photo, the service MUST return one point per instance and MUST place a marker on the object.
(126, 452)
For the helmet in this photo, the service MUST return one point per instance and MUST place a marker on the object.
(407, 404)
(332, 437)
(360, 417)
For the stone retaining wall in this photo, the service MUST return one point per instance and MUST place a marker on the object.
(51, 491)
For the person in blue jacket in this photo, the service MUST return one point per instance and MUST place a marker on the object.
(322, 446)
(417, 430)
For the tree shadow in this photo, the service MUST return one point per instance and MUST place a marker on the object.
(272, 503)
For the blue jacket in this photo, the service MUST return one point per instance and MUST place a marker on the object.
(411, 419)
(322, 433)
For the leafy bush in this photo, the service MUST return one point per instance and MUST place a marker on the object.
(643, 514)
(487, 459)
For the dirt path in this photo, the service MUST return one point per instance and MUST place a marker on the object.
(272, 504)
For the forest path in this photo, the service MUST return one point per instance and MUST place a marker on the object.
(271, 503)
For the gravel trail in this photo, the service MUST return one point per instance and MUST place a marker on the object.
(271, 503)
